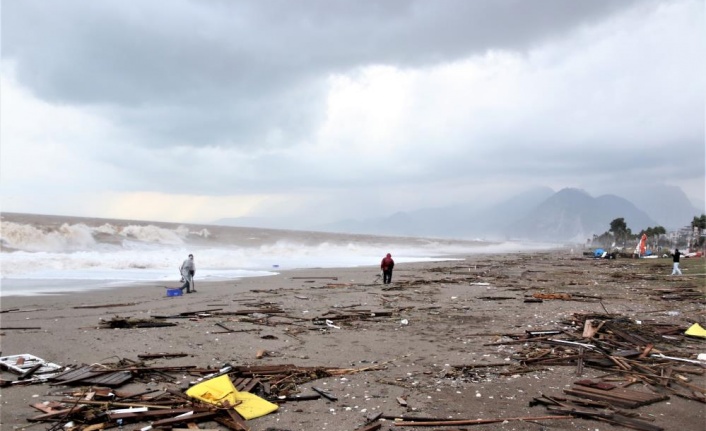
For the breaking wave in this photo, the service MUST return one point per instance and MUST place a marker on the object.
(50, 254)
(81, 237)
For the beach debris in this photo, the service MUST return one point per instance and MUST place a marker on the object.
(230, 395)
(496, 298)
(190, 314)
(28, 368)
(221, 392)
(696, 330)
(344, 315)
(370, 426)
(125, 304)
(19, 310)
(564, 296)
(330, 324)
(162, 355)
(412, 421)
(96, 374)
(620, 397)
(324, 393)
(686, 293)
(595, 410)
(118, 322)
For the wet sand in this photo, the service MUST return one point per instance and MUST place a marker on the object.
(441, 315)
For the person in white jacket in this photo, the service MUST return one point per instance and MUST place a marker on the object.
(188, 270)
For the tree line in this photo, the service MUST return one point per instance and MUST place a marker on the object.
(620, 235)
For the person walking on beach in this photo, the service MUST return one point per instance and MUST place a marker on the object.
(187, 270)
(386, 266)
(675, 258)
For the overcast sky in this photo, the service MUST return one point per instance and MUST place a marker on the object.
(318, 110)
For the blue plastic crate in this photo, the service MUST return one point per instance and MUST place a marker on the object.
(174, 292)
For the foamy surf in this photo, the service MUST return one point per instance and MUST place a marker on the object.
(45, 254)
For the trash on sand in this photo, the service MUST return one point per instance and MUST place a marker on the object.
(220, 390)
(330, 324)
(30, 368)
(696, 330)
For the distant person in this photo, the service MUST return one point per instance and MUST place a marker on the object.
(188, 270)
(675, 259)
(386, 266)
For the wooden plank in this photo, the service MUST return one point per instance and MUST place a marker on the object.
(614, 396)
(628, 404)
(190, 418)
(49, 407)
(329, 396)
(162, 355)
(231, 424)
(623, 393)
(117, 404)
(612, 418)
(251, 385)
(234, 421)
(150, 414)
(27, 374)
(56, 415)
(298, 398)
(92, 375)
(126, 304)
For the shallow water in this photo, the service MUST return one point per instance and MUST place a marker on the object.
(45, 254)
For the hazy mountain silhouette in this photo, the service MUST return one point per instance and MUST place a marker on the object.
(465, 220)
(574, 215)
(667, 204)
(538, 214)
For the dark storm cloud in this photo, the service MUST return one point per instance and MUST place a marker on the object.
(273, 107)
(228, 73)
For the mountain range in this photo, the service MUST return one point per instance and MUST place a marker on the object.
(539, 214)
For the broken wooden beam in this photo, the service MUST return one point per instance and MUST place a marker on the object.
(619, 396)
(324, 393)
(126, 304)
(612, 418)
(370, 427)
(27, 374)
(184, 419)
(162, 355)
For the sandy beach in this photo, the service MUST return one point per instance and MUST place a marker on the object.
(442, 339)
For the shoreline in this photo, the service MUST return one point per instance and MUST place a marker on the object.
(433, 317)
(36, 289)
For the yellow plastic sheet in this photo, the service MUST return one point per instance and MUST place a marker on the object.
(696, 330)
(220, 389)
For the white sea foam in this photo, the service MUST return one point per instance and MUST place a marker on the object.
(109, 253)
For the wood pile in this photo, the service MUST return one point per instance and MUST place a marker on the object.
(100, 405)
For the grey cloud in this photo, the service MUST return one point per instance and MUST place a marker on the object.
(201, 73)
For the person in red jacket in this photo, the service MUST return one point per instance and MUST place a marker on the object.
(386, 265)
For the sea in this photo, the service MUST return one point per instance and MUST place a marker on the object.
(45, 254)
